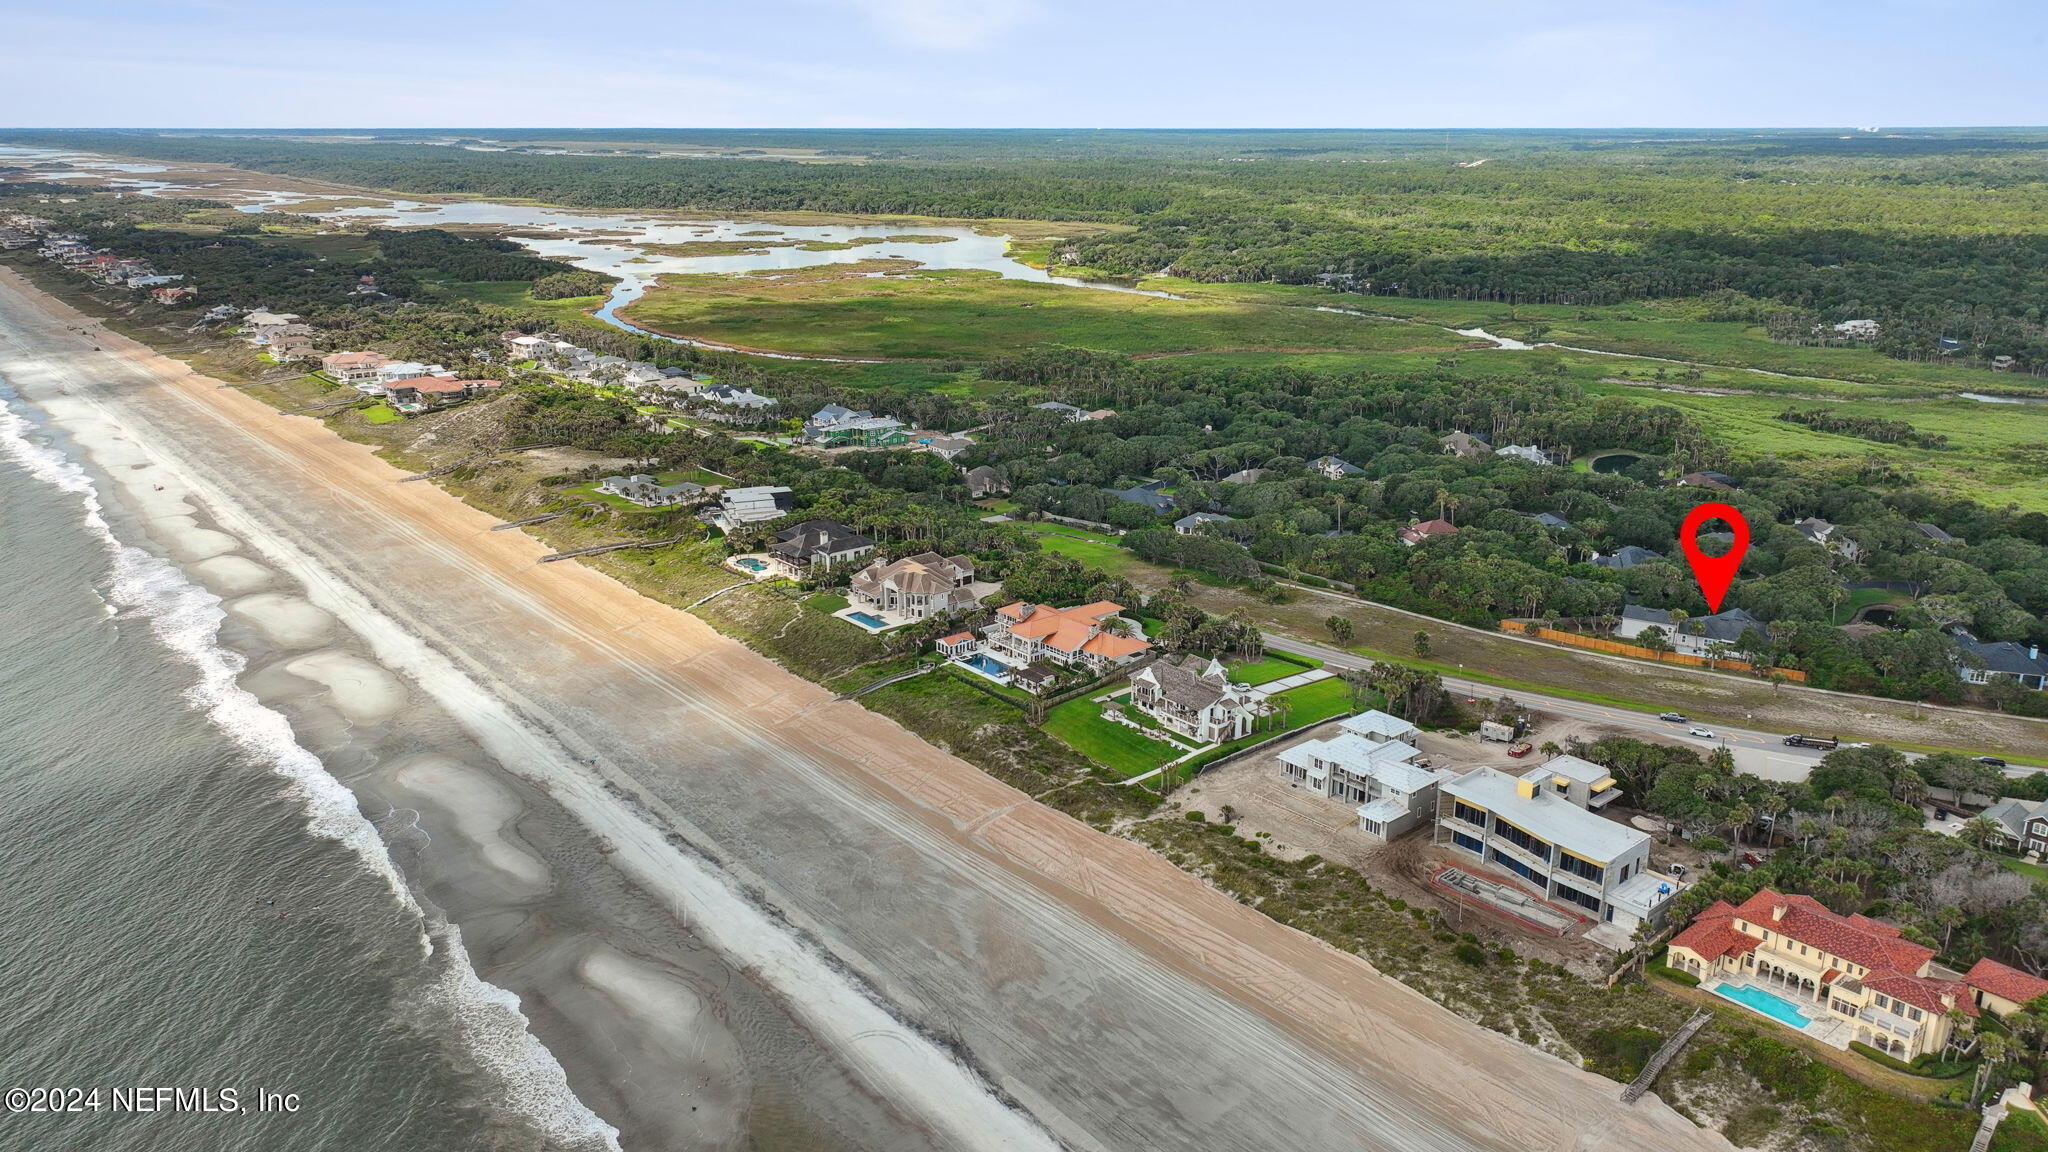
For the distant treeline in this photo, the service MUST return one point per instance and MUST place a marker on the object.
(1936, 236)
(1863, 427)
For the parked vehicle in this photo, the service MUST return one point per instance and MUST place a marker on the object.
(1989, 761)
(1676, 869)
(1519, 750)
(1676, 717)
(1496, 731)
(1696, 730)
(1829, 743)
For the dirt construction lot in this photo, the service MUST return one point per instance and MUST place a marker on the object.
(1293, 822)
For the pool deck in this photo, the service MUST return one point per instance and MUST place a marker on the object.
(1820, 1024)
(767, 571)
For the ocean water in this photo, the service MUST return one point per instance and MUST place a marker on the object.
(189, 903)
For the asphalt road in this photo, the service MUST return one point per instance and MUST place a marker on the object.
(1758, 753)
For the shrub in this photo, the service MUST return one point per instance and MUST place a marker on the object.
(1620, 1053)
(1471, 954)
(1196, 817)
(1674, 975)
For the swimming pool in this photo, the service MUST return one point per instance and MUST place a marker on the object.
(751, 564)
(1757, 1000)
(866, 620)
(986, 665)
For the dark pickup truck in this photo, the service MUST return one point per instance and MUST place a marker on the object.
(1828, 742)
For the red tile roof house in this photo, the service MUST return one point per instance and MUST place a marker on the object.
(422, 392)
(1088, 635)
(1416, 533)
(353, 367)
(1853, 978)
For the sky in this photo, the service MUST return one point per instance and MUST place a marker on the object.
(1023, 63)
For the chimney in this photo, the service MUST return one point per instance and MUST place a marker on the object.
(2033, 651)
(1778, 911)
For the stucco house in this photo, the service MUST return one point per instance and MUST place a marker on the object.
(1851, 977)
(918, 587)
(1091, 636)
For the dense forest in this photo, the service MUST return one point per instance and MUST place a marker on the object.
(1936, 235)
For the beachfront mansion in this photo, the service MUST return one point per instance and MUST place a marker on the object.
(1845, 978)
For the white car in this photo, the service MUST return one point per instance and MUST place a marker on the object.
(1706, 733)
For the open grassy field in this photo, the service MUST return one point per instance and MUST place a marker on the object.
(1091, 549)
(937, 314)
(1997, 453)
(518, 294)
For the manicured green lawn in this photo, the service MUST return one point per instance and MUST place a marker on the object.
(1317, 702)
(1094, 551)
(381, 414)
(826, 602)
(1079, 725)
(2033, 872)
(1272, 667)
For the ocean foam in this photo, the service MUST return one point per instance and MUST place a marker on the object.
(186, 619)
(498, 1035)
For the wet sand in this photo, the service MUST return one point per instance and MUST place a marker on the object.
(1120, 1002)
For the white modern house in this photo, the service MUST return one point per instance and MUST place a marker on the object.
(1195, 698)
(1371, 764)
(754, 505)
(1530, 830)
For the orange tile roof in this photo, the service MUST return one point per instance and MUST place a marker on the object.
(956, 638)
(1856, 938)
(2005, 981)
(1114, 647)
(1712, 934)
(1072, 630)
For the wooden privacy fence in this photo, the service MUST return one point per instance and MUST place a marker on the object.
(1618, 648)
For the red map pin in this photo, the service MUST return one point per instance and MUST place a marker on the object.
(1715, 573)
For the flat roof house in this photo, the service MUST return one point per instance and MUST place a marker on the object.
(1089, 635)
(1392, 792)
(1193, 697)
(754, 505)
(1569, 856)
(816, 546)
(919, 586)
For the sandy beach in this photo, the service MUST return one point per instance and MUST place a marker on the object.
(894, 903)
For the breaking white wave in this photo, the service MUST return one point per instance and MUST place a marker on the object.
(186, 619)
(495, 1031)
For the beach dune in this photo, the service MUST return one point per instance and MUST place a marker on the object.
(1117, 1001)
